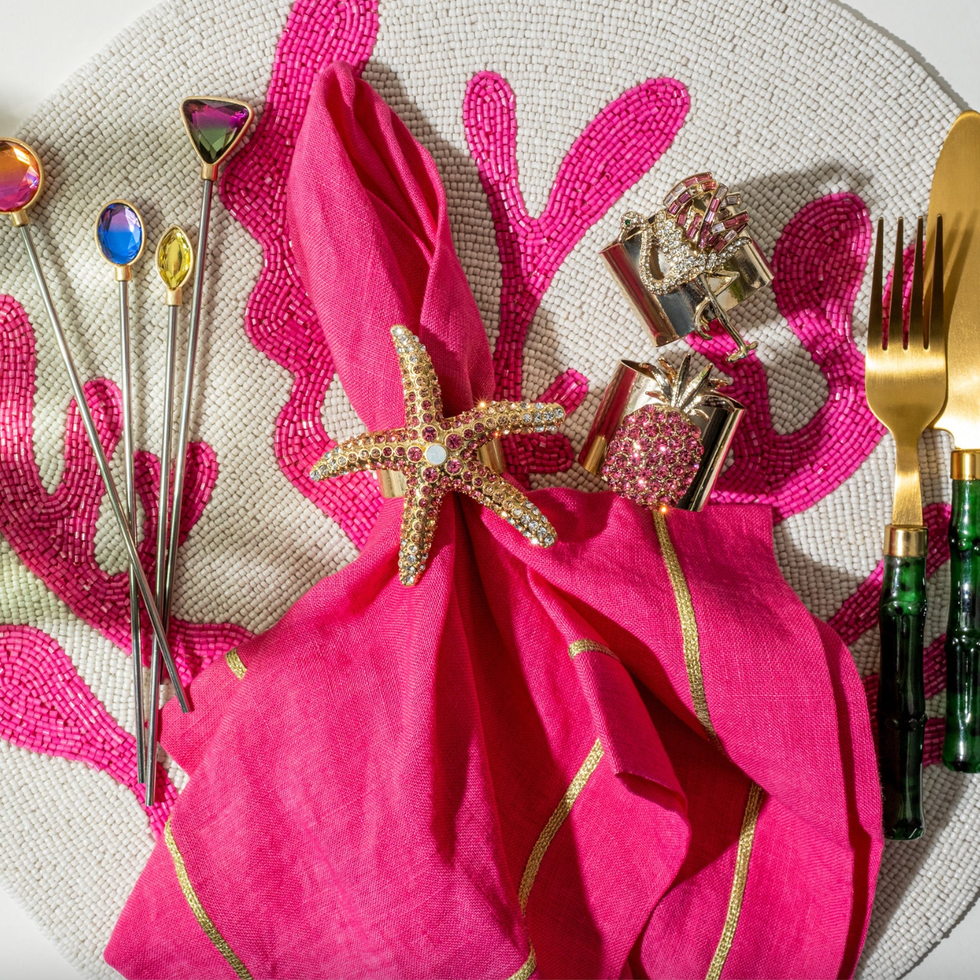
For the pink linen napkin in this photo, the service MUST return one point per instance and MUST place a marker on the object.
(632, 754)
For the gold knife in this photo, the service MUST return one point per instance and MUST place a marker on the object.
(956, 196)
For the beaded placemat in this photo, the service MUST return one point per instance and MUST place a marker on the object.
(546, 122)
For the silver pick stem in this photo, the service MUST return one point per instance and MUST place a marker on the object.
(183, 434)
(100, 457)
(134, 600)
(162, 525)
(744, 349)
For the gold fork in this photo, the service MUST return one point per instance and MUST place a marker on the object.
(905, 384)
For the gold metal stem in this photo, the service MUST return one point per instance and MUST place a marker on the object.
(907, 507)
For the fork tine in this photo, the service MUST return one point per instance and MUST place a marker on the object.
(896, 319)
(937, 315)
(916, 328)
(876, 328)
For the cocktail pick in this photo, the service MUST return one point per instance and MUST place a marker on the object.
(215, 127)
(21, 182)
(174, 260)
(120, 235)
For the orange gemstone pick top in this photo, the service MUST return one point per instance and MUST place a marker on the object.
(20, 176)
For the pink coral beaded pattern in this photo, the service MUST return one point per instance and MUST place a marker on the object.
(439, 455)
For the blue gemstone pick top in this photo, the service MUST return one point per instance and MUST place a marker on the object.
(119, 233)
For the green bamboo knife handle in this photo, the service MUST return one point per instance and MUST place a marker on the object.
(961, 746)
(901, 696)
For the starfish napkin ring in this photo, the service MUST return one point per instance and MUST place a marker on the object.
(438, 455)
(689, 263)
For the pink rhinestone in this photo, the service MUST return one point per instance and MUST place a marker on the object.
(430, 473)
(454, 441)
(415, 454)
(453, 466)
(429, 433)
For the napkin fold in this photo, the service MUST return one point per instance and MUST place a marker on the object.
(632, 754)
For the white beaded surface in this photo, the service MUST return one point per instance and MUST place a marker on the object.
(803, 95)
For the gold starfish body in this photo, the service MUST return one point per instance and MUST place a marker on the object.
(439, 455)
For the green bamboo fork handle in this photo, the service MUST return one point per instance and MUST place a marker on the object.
(905, 383)
(961, 746)
(901, 698)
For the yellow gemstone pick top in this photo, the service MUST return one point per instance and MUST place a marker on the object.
(174, 260)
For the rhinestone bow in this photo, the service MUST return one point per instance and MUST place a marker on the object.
(439, 455)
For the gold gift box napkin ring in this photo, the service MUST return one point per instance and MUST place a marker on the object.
(689, 263)
(660, 436)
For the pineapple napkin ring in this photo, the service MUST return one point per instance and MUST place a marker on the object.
(690, 263)
(660, 436)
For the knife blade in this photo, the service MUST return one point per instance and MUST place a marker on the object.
(956, 196)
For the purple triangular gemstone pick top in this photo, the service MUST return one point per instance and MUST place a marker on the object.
(214, 126)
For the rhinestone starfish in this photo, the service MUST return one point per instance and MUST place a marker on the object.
(439, 455)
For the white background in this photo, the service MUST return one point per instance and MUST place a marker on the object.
(43, 43)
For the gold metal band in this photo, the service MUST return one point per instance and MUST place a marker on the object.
(547, 835)
(200, 913)
(392, 482)
(530, 965)
(964, 464)
(594, 451)
(905, 542)
(555, 821)
(689, 628)
(743, 854)
(581, 646)
(235, 664)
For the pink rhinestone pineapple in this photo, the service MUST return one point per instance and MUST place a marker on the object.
(657, 449)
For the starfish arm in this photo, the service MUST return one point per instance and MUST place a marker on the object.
(422, 504)
(503, 418)
(506, 501)
(363, 452)
(418, 378)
